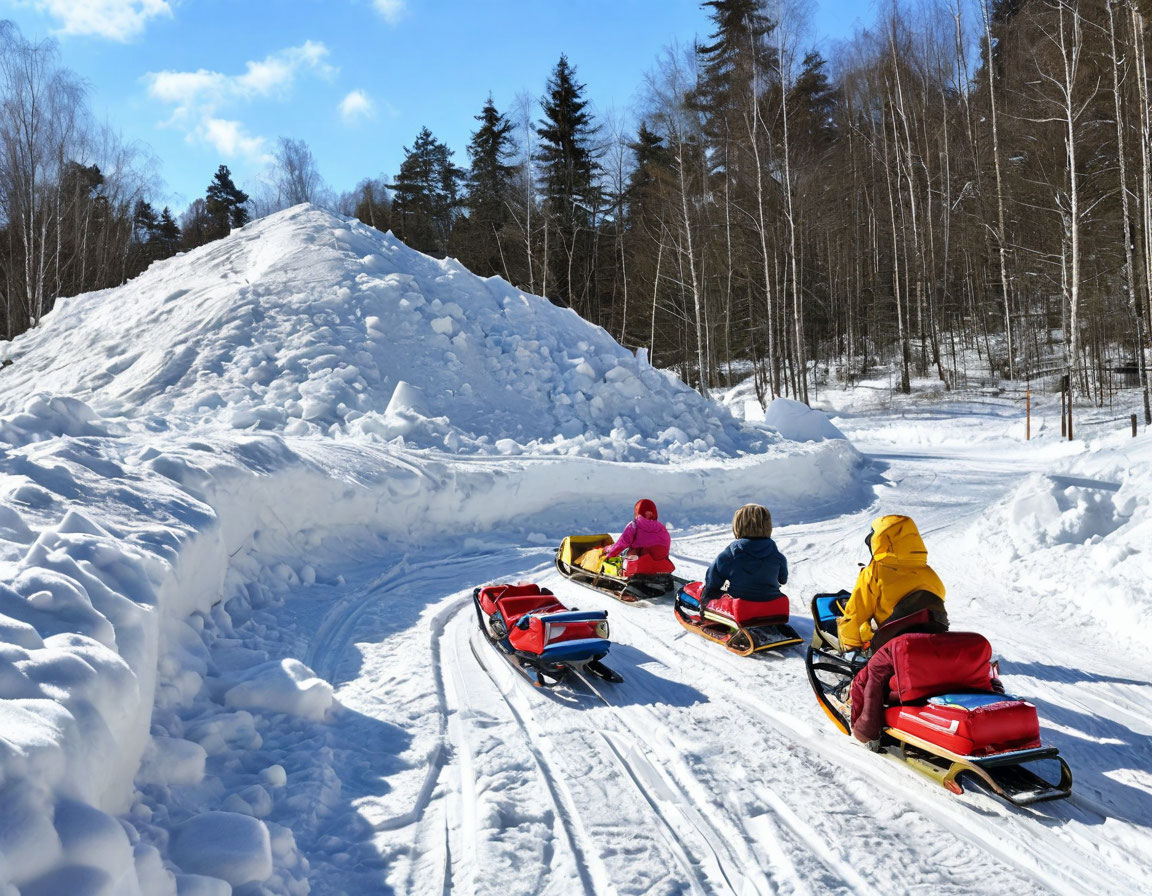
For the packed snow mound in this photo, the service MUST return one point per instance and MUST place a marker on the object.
(1093, 515)
(796, 421)
(308, 323)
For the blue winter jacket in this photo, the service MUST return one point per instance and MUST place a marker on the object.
(753, 567)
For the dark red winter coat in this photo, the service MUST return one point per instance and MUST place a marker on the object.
(919, 659)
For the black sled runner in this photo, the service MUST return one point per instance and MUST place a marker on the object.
(958, 736)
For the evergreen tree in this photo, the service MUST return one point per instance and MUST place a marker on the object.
(568, 163)
(490, 189)
(144, 221)
(738, 50)
(225, 204)
(167, 234)
(426, 195)
(811, 103)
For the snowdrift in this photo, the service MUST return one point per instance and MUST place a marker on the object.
(254, 414)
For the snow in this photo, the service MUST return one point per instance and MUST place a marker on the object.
(797, 421)
(245, 498)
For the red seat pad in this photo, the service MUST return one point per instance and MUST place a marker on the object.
(648, 565)
(491, 595)
(532, 639)
(980, 731)
(751, 612)
(512, 608)
(926, 664)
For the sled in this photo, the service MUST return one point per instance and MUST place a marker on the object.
(743, 626)
(542, 638)
(983, 739)
(580, 559)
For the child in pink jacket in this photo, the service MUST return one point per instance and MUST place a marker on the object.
(645, 535)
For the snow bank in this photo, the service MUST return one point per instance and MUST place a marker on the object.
(1094, 516)
(246, 418)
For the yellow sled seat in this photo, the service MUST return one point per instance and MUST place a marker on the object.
(585, 551)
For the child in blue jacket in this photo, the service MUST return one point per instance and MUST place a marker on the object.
(752, 566)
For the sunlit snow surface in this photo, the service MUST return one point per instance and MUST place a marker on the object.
(244, 500)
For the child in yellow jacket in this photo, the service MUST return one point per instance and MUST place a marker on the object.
(896, 582)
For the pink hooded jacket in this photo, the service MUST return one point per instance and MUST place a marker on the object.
(642, 534)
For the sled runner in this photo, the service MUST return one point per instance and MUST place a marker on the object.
(540, 636)
(743, 626)
(948, 722)
(629, 579)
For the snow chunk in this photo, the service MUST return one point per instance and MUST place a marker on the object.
(286, 686)
(796, 421)
(233, 847)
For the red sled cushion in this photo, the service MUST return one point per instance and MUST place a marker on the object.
(648, 565)
(751, 612)
(926, 664)
(491, 596)
(984, 724)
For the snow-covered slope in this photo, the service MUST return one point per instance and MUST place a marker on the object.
(270, 412)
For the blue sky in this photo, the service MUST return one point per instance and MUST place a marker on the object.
(205, 82)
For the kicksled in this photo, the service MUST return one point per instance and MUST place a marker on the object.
(742, 626)
(540, 637)
(960, 733)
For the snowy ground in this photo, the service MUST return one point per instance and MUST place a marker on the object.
(237, 649)
(706, 772)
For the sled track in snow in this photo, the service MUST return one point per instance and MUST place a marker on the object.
(562, 802)
(1015, 845)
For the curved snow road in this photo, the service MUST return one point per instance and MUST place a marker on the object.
(704, 772)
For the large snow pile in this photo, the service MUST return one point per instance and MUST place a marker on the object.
(308, 323)
(176, 452)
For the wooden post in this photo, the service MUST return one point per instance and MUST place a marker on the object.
(1063, 413)
(1133, 426)
(1069, 415)
(1028, 414)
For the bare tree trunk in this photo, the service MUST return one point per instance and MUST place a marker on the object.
(1000, 230)
(1125, 227)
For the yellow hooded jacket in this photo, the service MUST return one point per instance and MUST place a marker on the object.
(899, 566)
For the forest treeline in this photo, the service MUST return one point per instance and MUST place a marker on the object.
(965, 178)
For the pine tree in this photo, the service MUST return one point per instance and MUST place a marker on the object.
(811, 103)
(167, 234)
(490, 189)
(568, 162)
(225, 204)
(426, 195)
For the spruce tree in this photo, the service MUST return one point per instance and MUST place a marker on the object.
(167, 234)
(225, 204)
(490, 189)
(426, 195)
(568, 162)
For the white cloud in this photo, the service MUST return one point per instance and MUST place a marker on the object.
(356, 107)
(392, 10)
(119, 20)
(198, 97)
(231, 139)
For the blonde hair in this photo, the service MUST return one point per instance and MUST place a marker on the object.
(752, 521)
